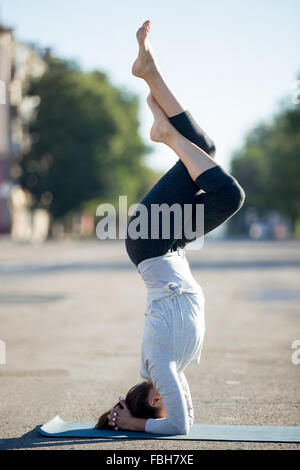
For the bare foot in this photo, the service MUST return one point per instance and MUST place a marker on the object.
(145, 62)
(162, 129)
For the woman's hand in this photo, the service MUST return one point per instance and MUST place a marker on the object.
(120, 418)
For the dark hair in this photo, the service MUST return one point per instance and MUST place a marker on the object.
(137, 402)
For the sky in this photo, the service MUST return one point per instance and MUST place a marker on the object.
(230, 62)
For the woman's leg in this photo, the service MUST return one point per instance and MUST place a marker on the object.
(194, 158)
(174, 187)
(182, 182)
(223, 195)
(222, 198)
(147, 68)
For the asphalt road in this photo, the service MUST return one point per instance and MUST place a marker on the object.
(72, 316)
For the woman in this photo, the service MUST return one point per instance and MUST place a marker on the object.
(174, 319)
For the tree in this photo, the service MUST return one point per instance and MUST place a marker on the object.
(86, 147)
(268, 165)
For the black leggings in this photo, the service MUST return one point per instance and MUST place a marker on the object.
(223, 196)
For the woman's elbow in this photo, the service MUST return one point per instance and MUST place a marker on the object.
(182, 429)
(186, 428)
(235, 197)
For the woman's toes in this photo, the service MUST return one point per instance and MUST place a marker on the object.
(141, 35)
(146, 25)
(143, 31)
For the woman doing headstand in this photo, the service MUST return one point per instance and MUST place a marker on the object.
(174, 318)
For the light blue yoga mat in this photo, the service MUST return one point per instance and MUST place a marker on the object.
(199, 432)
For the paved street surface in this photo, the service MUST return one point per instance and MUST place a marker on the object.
(71, 315)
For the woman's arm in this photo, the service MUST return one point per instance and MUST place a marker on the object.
(188, 397)
(120, 417)
(166, 380)
(174, 389)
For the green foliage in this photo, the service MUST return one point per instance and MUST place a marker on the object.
(268, 165)
(86, 145)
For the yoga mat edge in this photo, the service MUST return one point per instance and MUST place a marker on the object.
(199, 432)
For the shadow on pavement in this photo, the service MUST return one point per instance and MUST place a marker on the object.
(124, 266)
(33, 440)
(27, 298)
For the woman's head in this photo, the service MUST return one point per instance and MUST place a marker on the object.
(143, 401)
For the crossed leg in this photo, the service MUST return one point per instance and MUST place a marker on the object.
(194, 170)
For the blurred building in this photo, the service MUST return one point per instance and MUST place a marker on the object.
(19, 63)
